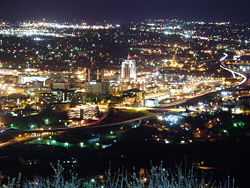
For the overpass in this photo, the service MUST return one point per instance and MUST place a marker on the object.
(22, 136)
(27, 135)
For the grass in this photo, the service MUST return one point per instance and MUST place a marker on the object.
(156, 177)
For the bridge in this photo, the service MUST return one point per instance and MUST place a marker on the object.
(22, 136)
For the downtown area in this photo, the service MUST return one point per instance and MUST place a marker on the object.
(92, 98)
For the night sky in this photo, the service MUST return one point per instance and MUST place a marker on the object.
(126, 10)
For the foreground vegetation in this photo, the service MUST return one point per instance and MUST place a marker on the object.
(156, 177)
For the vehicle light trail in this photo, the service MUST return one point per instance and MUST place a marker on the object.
(225, 67)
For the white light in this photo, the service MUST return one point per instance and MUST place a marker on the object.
(167, 142)
(223, 58)
(224, 93)
(160, 118)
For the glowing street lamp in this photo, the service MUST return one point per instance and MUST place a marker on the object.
(81, 144)
(66, 144)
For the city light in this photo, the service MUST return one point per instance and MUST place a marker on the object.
(89, 93)
(173, 119)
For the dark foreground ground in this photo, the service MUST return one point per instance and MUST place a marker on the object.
(227, 158)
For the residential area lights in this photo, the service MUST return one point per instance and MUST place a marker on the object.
(68, 76)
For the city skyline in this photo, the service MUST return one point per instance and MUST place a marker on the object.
(90, 84)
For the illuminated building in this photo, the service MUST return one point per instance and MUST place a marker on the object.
(97, 87)
(94, 74)
(23, 79)
(128, 69)
(61, 85)
(83, 112)
(150, 102)
(7, 71)
(63, 96)
(136, 92)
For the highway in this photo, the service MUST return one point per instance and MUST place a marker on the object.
(22, 136)
(28, 135)
(242, 74)
(165, 107)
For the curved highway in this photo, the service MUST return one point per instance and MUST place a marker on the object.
(96, 125)
(233, 71)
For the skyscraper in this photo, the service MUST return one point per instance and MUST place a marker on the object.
(95, 74)
(128, 69)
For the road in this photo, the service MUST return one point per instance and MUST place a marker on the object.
(165, 107)
(23, 136)
(242, 74)
(27, 135)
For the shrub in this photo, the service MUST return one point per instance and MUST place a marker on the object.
(156, 177)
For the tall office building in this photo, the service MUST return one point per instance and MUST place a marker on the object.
(97, 87)
(95, 74)
(128, 69)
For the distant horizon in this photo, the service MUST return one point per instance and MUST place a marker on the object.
(110, 21)
(124, 11)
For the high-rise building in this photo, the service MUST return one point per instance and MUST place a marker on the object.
(94, 74)
(128, 69)
(61, 85)
(62, 96)
(97, 87)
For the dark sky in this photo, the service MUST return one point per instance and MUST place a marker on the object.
(125, 10)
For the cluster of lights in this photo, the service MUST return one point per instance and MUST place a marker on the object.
(67, 26)
(86, 112)
(44, 29)
(7, 89)
(172, 119)
(31, 32)
(239, 124)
